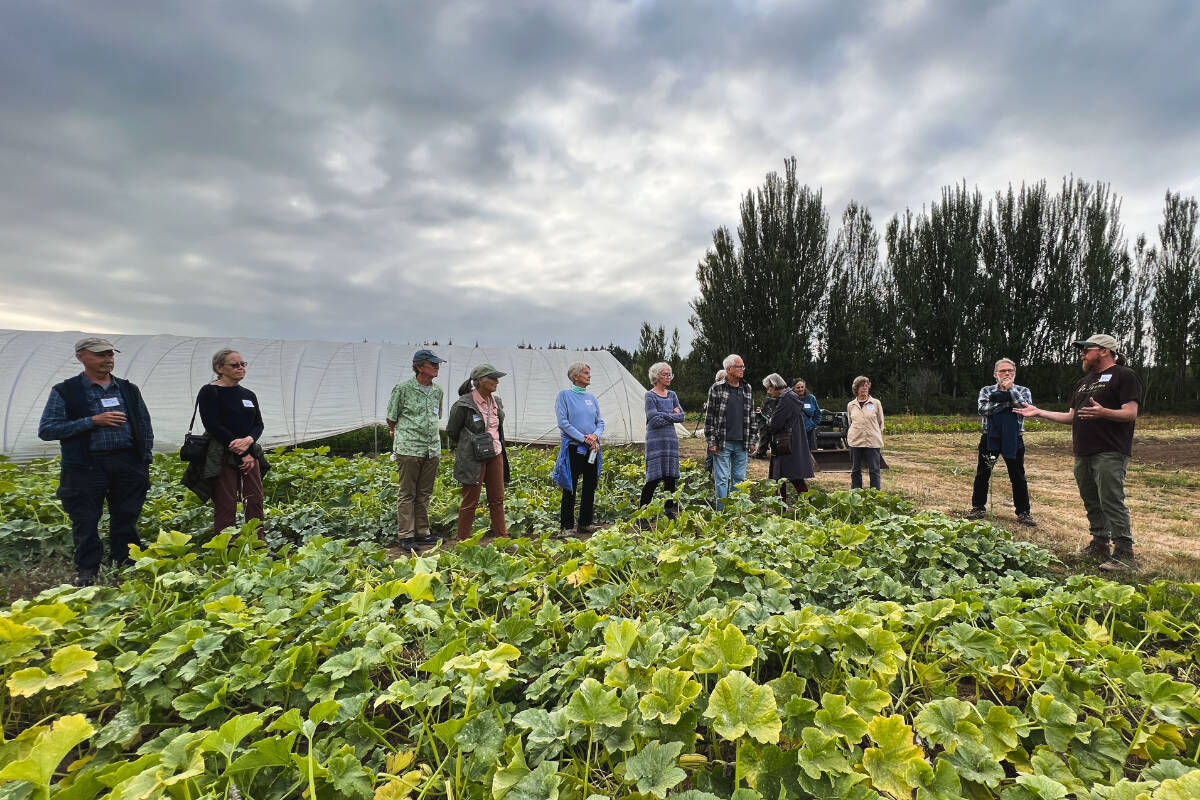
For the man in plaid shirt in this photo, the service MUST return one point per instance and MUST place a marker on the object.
(730, 424)
(104, 429)
(1002, 437)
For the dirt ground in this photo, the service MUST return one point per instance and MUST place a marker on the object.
(936, 471)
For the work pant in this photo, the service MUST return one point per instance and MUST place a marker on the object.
(811, 433)
(226, 487)
(729, 467)
(491, 477)
(579, 468)
(860, 456)
(1016, 476)
(118, 478)
(1101, 481)
(651, 486)
(416, 475)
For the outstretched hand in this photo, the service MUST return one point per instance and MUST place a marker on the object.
(1092, 410)
(1027, 410)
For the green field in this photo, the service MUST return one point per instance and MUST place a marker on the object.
(844, 647)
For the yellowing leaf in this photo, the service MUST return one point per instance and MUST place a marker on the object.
(582, 576)
(49, 749)
(739, 706)
(888, 764)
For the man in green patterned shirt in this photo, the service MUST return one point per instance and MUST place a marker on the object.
(412, 416)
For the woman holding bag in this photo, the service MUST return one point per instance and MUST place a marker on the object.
(475, 430)
(791, 460)
(234, 423)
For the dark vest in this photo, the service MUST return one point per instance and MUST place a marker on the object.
(76, 450)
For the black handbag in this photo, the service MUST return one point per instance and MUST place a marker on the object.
(484, 445)
(781, 442)
(195, 445)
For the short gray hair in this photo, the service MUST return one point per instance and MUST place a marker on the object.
(574, 369)
(218, 359)
(656, 370)
(729, 359)
(1000, 361)
(774, 381)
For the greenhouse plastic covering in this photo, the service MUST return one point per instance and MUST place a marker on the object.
(307, 390)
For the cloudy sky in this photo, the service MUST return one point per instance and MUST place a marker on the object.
(526, 171)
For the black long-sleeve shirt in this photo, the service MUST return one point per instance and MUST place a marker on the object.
(230, 412)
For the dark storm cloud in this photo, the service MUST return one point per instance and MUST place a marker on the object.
(527, 171)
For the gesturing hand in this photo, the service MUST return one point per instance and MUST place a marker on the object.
(1092, 410)
(109, 419)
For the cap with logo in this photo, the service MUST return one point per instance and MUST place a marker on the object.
(95, 344)
(486, 371)
(426, 355)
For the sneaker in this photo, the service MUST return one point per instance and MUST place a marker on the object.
(427, 538)
(1026, 519)
(586, 530)
(85, 577)
(977, 513)
(1122, 560)
(1098, 550)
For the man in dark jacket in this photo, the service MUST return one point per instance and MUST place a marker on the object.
(103, 427)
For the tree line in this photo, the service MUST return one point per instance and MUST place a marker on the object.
(926, 304)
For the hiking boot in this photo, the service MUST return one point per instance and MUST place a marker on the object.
(1026, 519)
(977, 513)
(1098, 550)
(85, 577)
(586, 530)
(1122, 560)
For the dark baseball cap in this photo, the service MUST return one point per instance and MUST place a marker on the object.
(486, 371)
(426, 355)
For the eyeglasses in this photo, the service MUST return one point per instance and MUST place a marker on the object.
(242, 364)
(736, 366)
(1001, 371)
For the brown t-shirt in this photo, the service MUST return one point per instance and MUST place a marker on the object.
(1112, 388)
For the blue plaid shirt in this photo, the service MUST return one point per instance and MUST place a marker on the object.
(992, 401)
(55, 425)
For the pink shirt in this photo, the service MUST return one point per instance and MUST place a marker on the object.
(491, 415)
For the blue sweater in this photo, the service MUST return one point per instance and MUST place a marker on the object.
(578, 415)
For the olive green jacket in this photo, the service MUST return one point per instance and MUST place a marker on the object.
(462, 423)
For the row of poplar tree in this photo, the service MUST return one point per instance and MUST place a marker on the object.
(1021, 274)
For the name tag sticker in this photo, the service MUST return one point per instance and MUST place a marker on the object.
(808, 405)
(869, 406)
(478, 418)
(1105, 378)
(110, 402)
(247, 403)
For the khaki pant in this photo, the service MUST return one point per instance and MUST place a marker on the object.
(491, 477)
(1101, 481)
(416, 477)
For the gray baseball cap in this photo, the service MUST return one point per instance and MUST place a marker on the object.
(486, 371)
(1100, 340)
(95, 344)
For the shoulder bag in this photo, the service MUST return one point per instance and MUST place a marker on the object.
(781, 442)
(195, 445)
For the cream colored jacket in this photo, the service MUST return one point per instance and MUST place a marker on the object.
(866, 423)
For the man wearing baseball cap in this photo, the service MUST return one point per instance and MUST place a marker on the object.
(103, 428)
(412, 417)
(1104, 408)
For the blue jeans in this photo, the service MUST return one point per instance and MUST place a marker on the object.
(729, 467)
(868, 457)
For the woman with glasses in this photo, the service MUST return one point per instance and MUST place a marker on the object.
(475, 431)
(578, 415)
(662, 443)
(234, 423)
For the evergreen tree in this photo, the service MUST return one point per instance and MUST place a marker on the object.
(1173, 313)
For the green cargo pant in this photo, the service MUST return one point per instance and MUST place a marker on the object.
(1101, 481)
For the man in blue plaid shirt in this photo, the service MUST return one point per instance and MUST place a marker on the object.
(1002, 437)
(103, 427)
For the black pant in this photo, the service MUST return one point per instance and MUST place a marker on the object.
(648, 492)
(870, 457)
(579, 466)
(119, 478)
(1016, 474)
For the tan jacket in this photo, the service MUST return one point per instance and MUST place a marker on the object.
(866, 423)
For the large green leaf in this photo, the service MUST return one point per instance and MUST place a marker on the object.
(722, 650)
(592, 705)
(49, 749)
(653, 769)
(738, 706)
(672, 692)
(837, 718)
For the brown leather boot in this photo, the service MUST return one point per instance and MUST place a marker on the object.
(1099, 550)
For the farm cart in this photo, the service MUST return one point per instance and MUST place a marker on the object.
(832, 454)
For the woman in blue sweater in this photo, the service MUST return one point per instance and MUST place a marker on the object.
(579, 419)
